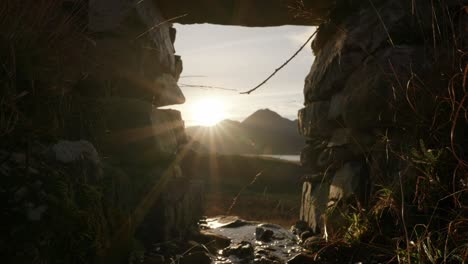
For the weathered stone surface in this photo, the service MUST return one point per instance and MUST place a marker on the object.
(158, 29)
(326, 65)
(166, 91)
(113, 15)
(81, 154)
(263, 234)
(242, 250)
(318, 196)
(314, 204)
(60, 189)
(340, 137)
(177, 125)
(108, 15)
(176, 212)
(139, 55)
(213, 242)
(98, 69)
(347, 136)
(301, 258)
(311, 152)
(313, 119)
(165, 128)
(374, 92)
(130, 130)
(74, 151)
(336, 107)
(346, 182)
(238, 12)
(347, 46)
(334, 157)
(179, 67)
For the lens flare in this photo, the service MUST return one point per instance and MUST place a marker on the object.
(208, 111)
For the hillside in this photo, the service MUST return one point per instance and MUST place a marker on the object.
(263, 132)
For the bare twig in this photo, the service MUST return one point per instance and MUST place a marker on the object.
(159, 24)
(234, 201)
(282, 66)
(192, 76)
(452, 133)
(408, 248)
(205, 86)
(383, 23)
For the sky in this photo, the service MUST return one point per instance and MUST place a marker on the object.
(239, 58)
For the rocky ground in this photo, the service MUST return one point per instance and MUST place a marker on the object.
(231, 240)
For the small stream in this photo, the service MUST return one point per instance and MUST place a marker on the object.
(252, 242)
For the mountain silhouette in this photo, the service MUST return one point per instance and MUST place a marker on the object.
(263, 132)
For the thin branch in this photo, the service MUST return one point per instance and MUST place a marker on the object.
(408, 248)
(282, 66)
(206, 87)
(234, 201)
(383, 23)
(193, 76)
(159, 24)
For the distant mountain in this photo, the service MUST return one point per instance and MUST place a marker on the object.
(263, 132)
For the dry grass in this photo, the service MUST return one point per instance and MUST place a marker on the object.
(272, 208)
(38, 40)
(249, 187)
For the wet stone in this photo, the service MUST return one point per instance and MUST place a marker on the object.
(253, 242)
(306, 234)
(196, 257)
(299, 227)
(310, 153)
(312, 241)
(266, 260)
(242, 250)
(263, 234)
(301, 259)
(213, 241)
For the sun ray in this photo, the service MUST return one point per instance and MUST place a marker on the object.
(208, 111)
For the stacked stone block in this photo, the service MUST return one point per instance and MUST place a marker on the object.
(353, 95)
(95, 78)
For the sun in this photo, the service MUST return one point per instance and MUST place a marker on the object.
(208, 111)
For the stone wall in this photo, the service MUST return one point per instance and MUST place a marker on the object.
(88, 79)
(83, 143)
(364, 98)
(253, 13)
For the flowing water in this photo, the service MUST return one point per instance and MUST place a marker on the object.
(251, 242)
(292, 158)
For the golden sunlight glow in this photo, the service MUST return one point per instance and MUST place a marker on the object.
(208, 111)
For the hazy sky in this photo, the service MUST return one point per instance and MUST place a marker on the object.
(240, 58)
